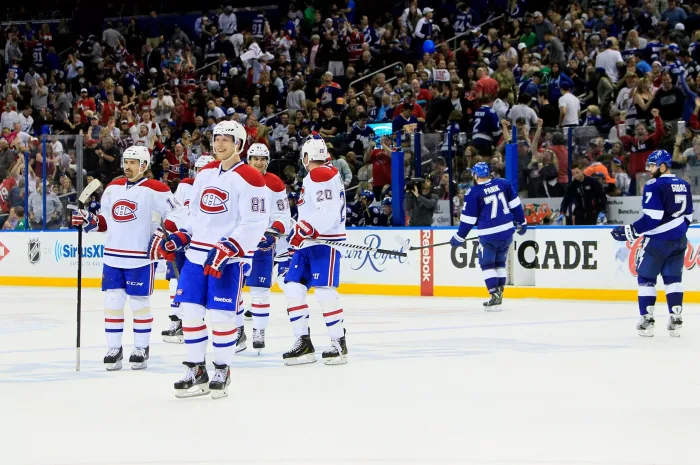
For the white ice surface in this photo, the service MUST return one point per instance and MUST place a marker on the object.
(430, 381)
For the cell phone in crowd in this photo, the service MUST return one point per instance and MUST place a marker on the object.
(681, 127)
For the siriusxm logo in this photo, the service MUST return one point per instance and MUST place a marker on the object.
(377, 261)
(69, 251)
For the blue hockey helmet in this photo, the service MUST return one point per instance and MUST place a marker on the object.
(657, 158)
(386, 202)
(368, 195)
(481, 170)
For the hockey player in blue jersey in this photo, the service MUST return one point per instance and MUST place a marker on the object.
(493, 206)
(667, 207)
(487, 127)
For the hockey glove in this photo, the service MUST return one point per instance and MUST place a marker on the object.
(168, 245)
(267, 243)
(560, 219)
(602, 219)
(521, 228)
(624, 233)
(89, 221)
(302, 231)
(219, 256)
(457, 241)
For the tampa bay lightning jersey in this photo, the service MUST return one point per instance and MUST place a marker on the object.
(258, 28)
(667, 207)
(486, 123)
(492, 207)
(363, 135)
(653, 49)
(463, 21)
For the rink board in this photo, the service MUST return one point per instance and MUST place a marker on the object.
(580, 263)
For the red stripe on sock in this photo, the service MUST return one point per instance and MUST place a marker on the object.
(225, 333)
(150, 320)
(192, 330)
(114, 320)
(261, 305)
(333, 313)
(300, 307)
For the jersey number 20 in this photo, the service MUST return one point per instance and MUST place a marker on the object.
(493, 200)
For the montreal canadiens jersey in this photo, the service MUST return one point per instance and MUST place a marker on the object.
(126, 213)
(231, 204)
(667, 207)
(492, 207)
(183, 191)
(280, 216)
(322, 202)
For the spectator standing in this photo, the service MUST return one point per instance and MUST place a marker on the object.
(26, 122)
(555, 49)
(9, 117)
(83, 105)
(669, 99)
(586, 196)
(420, 204)
(485, 85)
(228, 23)
(609, 59)
(153, 30)
(549, 113)
(542, 25)
(380, 160)
(40, 95)
(162, 105)
(54, 209)
(672, 15)
(342, 166)
(569, 107)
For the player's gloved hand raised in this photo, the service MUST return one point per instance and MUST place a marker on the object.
(624, 233)
(165, 246)
(302, 231)
(521, 228)
(89, 221)
(267, 243)
(457, 241)
(218, 257)
(602, 219)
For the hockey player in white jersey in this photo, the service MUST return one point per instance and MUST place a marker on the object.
(322, 216)
(129, 267)
(182, 194)
(228, 215)
(271, 250)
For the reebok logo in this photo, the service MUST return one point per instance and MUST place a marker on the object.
(223, 300)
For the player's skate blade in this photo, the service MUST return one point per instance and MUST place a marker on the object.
(113, 359)
(194, 383)
(675, 324)
(220, 381)
(174, 332)
(494, 304)
(241, 342)
(645, 327)
(248, 315)
(337, 353)
(301, 353)
(139, 358)
(258, 340)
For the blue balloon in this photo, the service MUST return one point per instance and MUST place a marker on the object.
(429, 46)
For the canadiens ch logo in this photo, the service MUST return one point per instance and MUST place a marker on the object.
(213, 200)
(124, 210)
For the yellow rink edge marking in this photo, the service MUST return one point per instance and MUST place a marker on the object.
(513, 292)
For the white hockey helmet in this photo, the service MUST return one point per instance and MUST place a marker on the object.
(203, 161)
(315, 149)
(140, 153)
(259, 150)
(233, 129)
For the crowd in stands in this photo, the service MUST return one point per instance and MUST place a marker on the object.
(608, 83)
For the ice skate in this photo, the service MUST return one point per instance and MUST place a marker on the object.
(675, 324)
(241, 342)
(258, 339)
(220, 381)
(174, 332)
(113, 359)
(645, 327)
(139, 358)
(248, 315)
(494, 304)
(337, 353)
(194, 383)
(301, 353)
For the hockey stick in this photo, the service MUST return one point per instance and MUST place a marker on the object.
(336, 244)
(84, 197)
(410, 248)
(156, 218)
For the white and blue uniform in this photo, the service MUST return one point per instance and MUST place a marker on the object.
(667, 207)
(258, 28)
(493, 206)
(487, 130)
(322, 205)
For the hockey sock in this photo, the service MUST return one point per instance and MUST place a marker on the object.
(674, 294)
(490, 278)
(646, 295)
(143, 320)
(297, 309)
(114, 302)
(224, 335)
(195, 331)
(261, 306)
(332, 311)
(501, 273)
(174, 308)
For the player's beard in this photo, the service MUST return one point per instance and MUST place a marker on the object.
(656, 173)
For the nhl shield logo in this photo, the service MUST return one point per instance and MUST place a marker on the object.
(34, 251)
